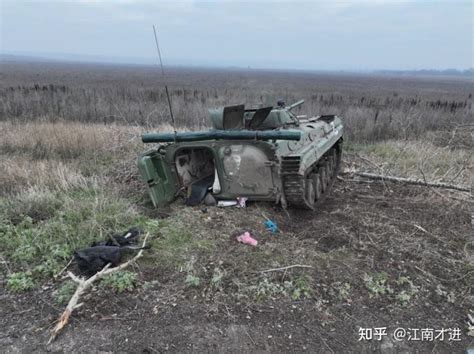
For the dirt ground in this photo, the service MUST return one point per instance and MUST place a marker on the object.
(363, 229)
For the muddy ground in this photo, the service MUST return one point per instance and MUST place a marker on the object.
(363, 230)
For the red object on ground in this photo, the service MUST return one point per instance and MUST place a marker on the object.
(247, 239)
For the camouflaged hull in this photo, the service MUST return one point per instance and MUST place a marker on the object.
(270, 156)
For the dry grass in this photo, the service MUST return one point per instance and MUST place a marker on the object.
(59, 192)
(375, 107)
(62, 140)
(64, 155)
(54, 156)
(20, 173)
(415, 159)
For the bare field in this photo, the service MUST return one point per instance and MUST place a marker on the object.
(377, 254)
(375, 108)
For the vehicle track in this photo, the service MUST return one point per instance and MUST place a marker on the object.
(310, 190)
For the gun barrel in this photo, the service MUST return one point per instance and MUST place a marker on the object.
(222, 134)
(296, 104)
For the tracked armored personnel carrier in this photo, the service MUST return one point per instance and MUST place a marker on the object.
(265, 154)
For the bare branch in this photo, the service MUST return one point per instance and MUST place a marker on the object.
(63, 270)
(83, 285)
(412, 181)
(285, 268)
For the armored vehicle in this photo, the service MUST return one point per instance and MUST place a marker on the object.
(265, 154)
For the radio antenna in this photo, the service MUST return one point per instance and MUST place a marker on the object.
(163, 75)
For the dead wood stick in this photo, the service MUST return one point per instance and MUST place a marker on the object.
(448, 197)
(63, 270)
(83, 285)
(285, 268)
(412, 181)
(369, 161)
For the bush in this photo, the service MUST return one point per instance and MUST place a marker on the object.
(120, 281)
(192, 281)
(21, 281)
(377, 284)
(296, 288)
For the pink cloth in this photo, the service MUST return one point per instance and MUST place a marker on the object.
(241, 202)
(247, 239)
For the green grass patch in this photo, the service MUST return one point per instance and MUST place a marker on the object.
(264, 288)
(38, 247)
(377, 284)
(402, 289)
(20, 281)
(177, 244)
(65, 292)
(120, 281)
(192, 281)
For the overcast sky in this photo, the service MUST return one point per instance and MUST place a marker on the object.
(318, 35)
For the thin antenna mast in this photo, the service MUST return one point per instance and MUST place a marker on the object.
(163, 74)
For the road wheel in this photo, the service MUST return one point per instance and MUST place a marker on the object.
(310, 191)
(328, 165)
(318, 191)
(323, 177)
(329, 175)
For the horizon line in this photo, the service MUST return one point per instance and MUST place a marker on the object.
(129, 61)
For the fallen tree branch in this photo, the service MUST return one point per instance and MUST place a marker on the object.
(63, 270)
(448, 197)
(285, 268)
(412, 181)
(83, 285)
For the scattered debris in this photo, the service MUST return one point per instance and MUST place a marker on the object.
(247, 239)
(83, 285)
(271, 226)
(241, 202)
(209, 200)
(93, 259)
(199, 190)
(226, 203)
(130, 237)
(286, 268)
(420, 228)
